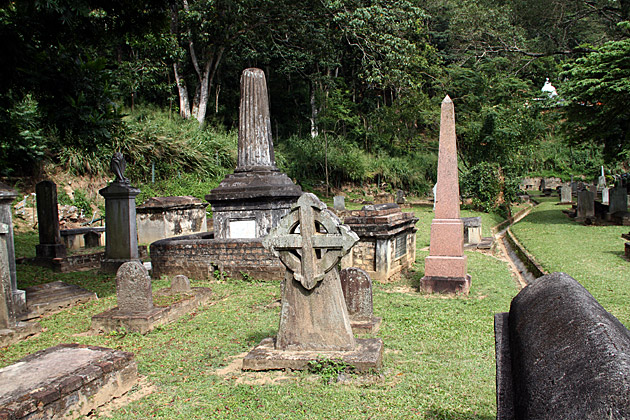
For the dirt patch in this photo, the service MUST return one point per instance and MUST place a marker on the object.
(233, 372)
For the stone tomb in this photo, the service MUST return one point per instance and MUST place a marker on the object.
(561, 355)
(51, 298)
(66, 381)
(387, 241)
(136, 311)
(166, 217)
(357, 291)
(314, 321)
(245, 205)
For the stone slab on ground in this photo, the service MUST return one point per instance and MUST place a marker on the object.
(367, 355)
(115, 319)
(51, 298)
(21, 331)
(65, 381)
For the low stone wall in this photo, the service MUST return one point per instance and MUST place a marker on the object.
(198, 256)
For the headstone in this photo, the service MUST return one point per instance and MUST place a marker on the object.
(180, 284)
(400, 197)
(133, 288)
(561, 355)
(7, 312)
(310, 242)
(445, 267)
(92, 239)
(14, 298)
(606, 195)
(339, 203)
(121, 233)
(585, 205)
(565, 194)
(357, 291)
(50, 245)
(249, 202)
(618, 200)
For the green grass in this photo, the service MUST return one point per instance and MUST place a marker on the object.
(438, 360)
(593, 255)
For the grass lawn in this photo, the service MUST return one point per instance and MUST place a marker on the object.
(438, 363)
(593, 255)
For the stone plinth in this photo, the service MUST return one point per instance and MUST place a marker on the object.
(387, 241)
(561, 355)
(446, 266)
(50, 245)
(166, 217)
(472, 230)
(314, 321)
(121, 235)
(13, 297)
(66, 381)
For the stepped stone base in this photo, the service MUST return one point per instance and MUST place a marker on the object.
(458, 285)
(367, 355)
(368, 326)
(65, 381)
(115, 319)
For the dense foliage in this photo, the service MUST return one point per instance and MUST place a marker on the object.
(355, 86)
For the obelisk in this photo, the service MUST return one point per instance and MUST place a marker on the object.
(446, 265)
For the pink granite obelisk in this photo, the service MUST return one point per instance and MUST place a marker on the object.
(445, 267)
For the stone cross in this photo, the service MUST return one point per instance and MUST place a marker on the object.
(255, 146)
(310, 242)
(445, 267)
(133, 288)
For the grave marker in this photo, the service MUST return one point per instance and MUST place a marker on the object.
(357, 291)
(50, 245)
(180, 284)
(310, 242)
(339, 203)
(618, 200)
(445, 267)
(133, 288)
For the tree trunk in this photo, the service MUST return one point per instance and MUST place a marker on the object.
(314, 113)
(184, 105)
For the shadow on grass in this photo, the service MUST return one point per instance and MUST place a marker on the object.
(256, 337)
(444, 414)
(620, 254)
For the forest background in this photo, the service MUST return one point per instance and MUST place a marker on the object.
(354, 86)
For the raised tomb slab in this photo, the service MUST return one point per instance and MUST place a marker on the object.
(65, 381)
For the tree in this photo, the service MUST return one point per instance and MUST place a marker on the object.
(597, 92)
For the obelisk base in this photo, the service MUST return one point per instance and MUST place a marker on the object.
(456, 285)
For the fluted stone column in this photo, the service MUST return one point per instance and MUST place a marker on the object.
(252, 200)
(446, 265)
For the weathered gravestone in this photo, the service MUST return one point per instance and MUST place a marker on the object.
(339, 203)
(565, 194)
(357, 291)
(121, 233)
(585, 205)
(50, 244)
(561, 355)
(400, 197)
(618, 200)
(445, 267)
(180, 284)
(605, 195)
(136, 311)
(133, 288)
(472, 230)
(314, 322)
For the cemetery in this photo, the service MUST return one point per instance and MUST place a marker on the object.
(327, 210)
